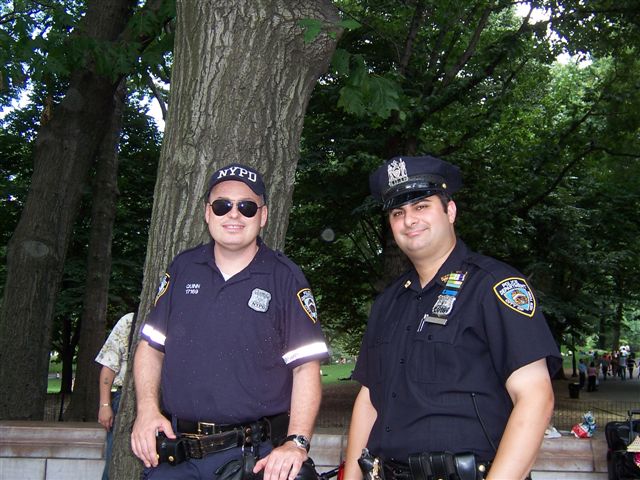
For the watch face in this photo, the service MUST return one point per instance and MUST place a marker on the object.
(300, 441)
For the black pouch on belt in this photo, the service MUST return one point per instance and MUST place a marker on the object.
(238, 469)
(242, 469)
(170, 450)
(446, 465)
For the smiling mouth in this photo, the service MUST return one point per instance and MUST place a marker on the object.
(233, 227)
(413, 233)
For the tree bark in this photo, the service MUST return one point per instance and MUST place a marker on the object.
(64, 152)
(84, 403)
(240, 85)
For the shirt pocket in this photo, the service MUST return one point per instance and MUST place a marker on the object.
(376, 355)
(432, 357)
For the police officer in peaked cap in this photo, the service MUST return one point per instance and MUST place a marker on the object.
(227, 371)
(457, 358)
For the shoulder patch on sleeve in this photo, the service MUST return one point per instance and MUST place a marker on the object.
(308, 303)
(162, 288)
(516, 294)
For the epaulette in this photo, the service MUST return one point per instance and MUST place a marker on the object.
(290, 264)
(491, 266)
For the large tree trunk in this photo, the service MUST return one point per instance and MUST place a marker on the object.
(84, 404)
(64, 152)
(240, 85)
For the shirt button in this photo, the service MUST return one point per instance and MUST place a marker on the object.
(394, 394)
(401, 361)
(387, 429)
(430, 337)
(419, 297)
(408, 328)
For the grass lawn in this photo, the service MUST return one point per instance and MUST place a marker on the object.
(334, 372)
(53, 386)
(330, 374)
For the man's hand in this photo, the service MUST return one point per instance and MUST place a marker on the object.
(283, 463)
(105, 416)
(143, 436)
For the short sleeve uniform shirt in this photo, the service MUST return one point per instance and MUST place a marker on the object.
(430, 383)
(114, 354)
(230, 346)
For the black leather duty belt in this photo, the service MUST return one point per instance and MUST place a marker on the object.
(436, 466)
(262, 429)
(197, 439)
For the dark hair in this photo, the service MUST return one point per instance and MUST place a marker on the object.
(444, 199)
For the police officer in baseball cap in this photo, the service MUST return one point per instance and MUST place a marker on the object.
(227, 370)
(456, 360)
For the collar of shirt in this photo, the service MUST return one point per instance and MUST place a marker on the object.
(453, 263)
(259, 264)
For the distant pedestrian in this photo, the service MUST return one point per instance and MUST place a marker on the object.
(582, 372)
(604, 364)
(592, 374)
(631, 363)
(622, 366)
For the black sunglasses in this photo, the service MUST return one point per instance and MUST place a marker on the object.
(223, 206)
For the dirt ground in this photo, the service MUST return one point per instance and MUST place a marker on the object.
(610, 403)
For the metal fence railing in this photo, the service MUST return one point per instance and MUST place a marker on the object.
(567, 412)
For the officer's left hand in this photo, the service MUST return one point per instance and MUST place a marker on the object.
(283, 463)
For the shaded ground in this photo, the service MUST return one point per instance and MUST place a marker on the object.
(610, 403)
(337, 402)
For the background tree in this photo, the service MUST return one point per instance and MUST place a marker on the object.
(241, 80)
(68, 139)
(480, 86)
(93, 320)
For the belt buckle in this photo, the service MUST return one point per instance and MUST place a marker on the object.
(205, 428)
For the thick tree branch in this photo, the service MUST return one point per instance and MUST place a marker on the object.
(469, 51)
(157, 94)
(416, 23)
(522, 211)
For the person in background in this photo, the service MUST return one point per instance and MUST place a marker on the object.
(631, 363)
(113, 357)
(228, 365)
(592, 377)
(582, 372)
(457, 358)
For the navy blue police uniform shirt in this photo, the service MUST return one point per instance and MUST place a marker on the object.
(423, 377)
(230, 346)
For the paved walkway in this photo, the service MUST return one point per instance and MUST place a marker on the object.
(613, 389)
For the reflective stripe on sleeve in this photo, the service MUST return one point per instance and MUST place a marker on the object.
(154, 335)
(305, 351)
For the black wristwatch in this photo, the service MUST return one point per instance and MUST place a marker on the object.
(300, 441)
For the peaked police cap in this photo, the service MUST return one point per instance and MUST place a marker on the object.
(403, 180)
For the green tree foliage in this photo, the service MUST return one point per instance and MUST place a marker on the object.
(84, 49)
(542, 146)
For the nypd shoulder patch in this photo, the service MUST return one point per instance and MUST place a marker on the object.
(516, 294)
(162, 288)
(305, 297)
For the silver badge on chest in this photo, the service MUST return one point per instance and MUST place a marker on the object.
(444, 304)
(259, 300)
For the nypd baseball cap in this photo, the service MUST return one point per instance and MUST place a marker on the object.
(404, 180)
(239, 173)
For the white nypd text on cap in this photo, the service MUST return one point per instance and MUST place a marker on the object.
(238, 172)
